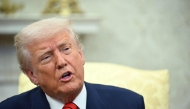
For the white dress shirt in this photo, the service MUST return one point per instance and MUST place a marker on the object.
(80, 100)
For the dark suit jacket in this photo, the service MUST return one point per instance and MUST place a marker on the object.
(98, 97)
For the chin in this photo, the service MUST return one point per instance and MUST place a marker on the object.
(72, 87)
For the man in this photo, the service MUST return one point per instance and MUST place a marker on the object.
(50, 54)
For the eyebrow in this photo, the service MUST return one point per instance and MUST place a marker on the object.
(43, 52)
(62, 43)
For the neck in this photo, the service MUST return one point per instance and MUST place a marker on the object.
(65, 97)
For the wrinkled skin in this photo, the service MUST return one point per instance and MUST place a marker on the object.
(50, 59)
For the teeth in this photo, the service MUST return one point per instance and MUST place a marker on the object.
(66, 74)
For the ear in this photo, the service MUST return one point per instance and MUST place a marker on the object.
(82, 56)
(31, 76)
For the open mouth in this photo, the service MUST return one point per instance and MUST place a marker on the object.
(66, 75)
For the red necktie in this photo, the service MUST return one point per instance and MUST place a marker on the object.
(70, 106)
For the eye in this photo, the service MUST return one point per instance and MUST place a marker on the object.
(45, 57)
(66, 50)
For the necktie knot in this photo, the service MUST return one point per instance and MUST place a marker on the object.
(70, 106)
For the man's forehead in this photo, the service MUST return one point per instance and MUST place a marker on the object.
(62, 42)
(44, 48)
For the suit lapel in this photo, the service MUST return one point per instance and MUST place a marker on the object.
(39, 100)
(93, 98)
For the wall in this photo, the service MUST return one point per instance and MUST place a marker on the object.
(148, 34)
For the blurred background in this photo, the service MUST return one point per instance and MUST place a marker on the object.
(144, 34)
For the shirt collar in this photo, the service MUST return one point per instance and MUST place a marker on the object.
(80, 100)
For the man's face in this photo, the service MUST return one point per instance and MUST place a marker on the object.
(57, 65)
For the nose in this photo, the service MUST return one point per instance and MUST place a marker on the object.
(60, 60)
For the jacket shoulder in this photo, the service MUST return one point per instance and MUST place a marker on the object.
(119, 97)
(21, 101)
(116, 91)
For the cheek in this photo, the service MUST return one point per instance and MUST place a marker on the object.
(77, 63)
(45, 71)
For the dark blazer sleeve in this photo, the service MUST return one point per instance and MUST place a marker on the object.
(141, 104)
